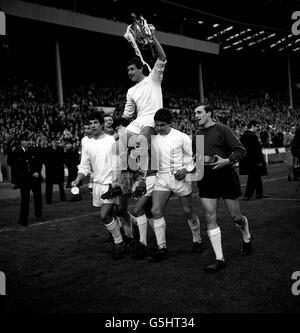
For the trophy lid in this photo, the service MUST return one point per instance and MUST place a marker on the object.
(75, 190)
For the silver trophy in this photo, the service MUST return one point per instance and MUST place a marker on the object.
(140, 32)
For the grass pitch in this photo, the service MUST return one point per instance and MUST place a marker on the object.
(64, 264)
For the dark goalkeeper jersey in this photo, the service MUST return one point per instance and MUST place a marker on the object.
(220, 140)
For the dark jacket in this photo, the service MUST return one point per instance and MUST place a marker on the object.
(254, 160)
(25, 164)
(54, 165)
(72, 160)
(295, 148)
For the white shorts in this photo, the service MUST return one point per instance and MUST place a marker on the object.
(167, 182)
(150, 182)
(98, 190)
(139, 123)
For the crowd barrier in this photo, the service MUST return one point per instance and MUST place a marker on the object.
(274, 155)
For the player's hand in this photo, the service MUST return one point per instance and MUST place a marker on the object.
(152, 28)
(74, 183)
(220, 163)
(35, 175)
(180, 174)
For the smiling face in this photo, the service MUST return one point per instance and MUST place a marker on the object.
(108, 122)
(201, 116)
(135, 74)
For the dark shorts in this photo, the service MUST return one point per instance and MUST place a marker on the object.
(223, 183)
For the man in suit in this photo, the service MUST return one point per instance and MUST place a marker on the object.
(71, 160)
(27, 166)
(55, 172)
(295, 149)
(253, 164)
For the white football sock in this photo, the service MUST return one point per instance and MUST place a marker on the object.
(194, 225)
(245, 231)
(114, 229)
(142, 225)
(160, 232)
(215, 239)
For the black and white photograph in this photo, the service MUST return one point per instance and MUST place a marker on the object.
(150, 159)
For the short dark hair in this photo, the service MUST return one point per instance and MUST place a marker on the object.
(96, 115)
(86, 121)
(207, 108)
(135, 61)
(252, 123)
(164, 114)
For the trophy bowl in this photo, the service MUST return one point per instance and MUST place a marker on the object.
(75, 190)
(140, 30)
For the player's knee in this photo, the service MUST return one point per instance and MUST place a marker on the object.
(116, 210)
(156, 212)
(105, 217)
(210, 213)
(137, 212)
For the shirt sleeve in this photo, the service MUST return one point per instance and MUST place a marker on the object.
(158, 70)
(129, 106)
(188, 153)
(84, 166)
(234, 145)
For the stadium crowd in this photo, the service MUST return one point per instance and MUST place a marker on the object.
(31, 107)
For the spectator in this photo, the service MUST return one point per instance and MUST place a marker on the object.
(54, 164)
(27, 167)
(253, 164)
(287, 143)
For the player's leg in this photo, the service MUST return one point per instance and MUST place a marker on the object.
(193, 222)
(123, 216)
(241, 222)
(209, 206)
(113, 227)
(159, 202)
(141, 218)
(142, 203)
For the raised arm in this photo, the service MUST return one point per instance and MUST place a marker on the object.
(160, 51)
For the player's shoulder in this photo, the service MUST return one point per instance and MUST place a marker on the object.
(178, 133)
(109, 138)
(222, 127)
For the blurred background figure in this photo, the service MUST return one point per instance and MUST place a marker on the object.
(109, 125)
(287, 143)
(253, 164)
(55, 172)
(295, 149)
(71, 161)
(27, 166)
